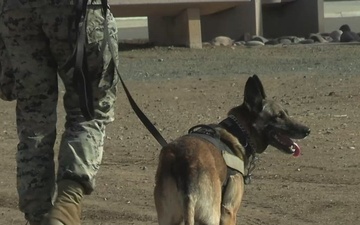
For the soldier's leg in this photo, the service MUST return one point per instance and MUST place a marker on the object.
(82, 142)
(37, 94)
(81, 147)
(7, 80)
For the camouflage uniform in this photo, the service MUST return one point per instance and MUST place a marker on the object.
(36, 33)
(7, 81)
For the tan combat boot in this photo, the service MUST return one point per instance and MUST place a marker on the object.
(67, 206)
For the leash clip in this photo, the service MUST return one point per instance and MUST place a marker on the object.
(251, 167)
(248, 179)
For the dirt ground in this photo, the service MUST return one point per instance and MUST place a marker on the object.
(178, 88)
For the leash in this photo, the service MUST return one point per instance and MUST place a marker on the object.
(143, 118)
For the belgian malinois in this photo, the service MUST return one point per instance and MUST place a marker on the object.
(200, 177)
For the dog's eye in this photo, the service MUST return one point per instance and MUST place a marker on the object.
(281, 114)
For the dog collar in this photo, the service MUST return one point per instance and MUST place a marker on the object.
(232, 125)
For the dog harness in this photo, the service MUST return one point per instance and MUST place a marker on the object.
(233, 162)
(208, 133)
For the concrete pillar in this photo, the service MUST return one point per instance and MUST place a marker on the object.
(188, 28)
(299, 18)
(182, 30)
(234, 23)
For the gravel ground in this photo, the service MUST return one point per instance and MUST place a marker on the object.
(178, 88)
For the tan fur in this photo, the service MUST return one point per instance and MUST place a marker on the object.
(171, 202)
(232, 199)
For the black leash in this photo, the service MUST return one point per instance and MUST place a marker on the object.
(143, 118)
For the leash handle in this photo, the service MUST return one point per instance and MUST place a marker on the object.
(143, 118)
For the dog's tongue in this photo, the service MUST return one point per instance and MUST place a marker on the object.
(297, 150)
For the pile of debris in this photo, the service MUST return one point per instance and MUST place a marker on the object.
(344, 34)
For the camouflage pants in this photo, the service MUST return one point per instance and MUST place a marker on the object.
(7, 81)
(38, 40)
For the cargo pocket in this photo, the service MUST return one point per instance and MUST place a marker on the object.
(95, 39)
(95, 25)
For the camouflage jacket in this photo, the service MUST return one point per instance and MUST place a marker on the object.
(15, 4)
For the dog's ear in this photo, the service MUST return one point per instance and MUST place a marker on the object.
(260, 86)
(254, 94)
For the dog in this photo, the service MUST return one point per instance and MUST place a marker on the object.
(201, 176)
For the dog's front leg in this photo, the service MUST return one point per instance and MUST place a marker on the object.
(231, 200)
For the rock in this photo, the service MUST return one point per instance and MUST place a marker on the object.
(327, 37)
(260, 38)
(307, 41)
(222, 41)
(335, 35)
(348, 35)
(317, 38)
(293, 39)
(285, 41)
(206, 44)
(345, 28)
(254, 43)
(272, 42)
(239, 43)
(297, 40)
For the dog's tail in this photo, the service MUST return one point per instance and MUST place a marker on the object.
(171, 189)
(181, 173)
(189, 210)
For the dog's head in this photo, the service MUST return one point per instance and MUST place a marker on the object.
(267, 122)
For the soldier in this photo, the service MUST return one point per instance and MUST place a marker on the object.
(38, 35)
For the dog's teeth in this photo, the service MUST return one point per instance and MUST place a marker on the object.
(292, 148)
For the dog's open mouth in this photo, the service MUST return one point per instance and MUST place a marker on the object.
(286, 144)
